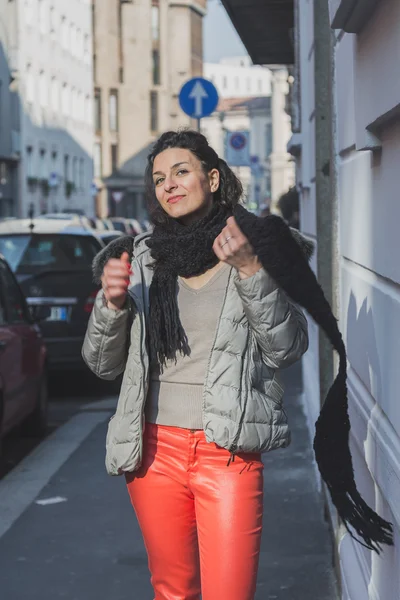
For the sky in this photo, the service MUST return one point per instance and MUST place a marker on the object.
(220, 39)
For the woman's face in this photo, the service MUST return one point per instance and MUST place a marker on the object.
(182, 188)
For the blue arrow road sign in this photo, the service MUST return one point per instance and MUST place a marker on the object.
(198, 97)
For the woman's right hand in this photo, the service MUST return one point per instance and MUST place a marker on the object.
(115, 281)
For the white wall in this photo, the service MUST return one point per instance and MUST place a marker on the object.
(369, 214)
(54, 55)
(237, 78)
(305, 174)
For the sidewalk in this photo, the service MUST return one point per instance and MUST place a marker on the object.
(89, 547)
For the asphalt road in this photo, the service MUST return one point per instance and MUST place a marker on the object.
(68, 392)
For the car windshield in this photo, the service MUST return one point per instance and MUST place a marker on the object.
(35, 253)
(119, 226)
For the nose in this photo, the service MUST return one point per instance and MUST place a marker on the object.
(169, 184)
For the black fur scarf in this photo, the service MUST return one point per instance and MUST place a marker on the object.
(277, 248)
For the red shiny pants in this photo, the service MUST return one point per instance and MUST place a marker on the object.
(201, 518)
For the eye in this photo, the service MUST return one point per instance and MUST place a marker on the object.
(182, 171)
(158, 180)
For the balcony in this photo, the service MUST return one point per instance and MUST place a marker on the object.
(265, 28)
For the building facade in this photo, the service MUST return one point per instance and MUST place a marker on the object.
(263, 115)
(55, 104)
(367, 158)
(237, 77)
(345, 103)
(144, 51)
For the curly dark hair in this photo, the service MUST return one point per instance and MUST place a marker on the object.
(230, 189)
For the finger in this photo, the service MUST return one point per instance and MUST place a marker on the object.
(234, 229)
(125, 257)
(117, 282)
(117, 268)
(115, 262)
(217, 249)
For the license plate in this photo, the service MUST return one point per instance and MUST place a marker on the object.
(58, 313)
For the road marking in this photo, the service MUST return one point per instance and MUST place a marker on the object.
(23, 484)
(54, 500)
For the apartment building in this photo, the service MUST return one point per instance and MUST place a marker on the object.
(143, 52)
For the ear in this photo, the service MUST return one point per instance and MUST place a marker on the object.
(213, 178)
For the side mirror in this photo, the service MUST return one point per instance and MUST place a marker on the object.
(40, 313)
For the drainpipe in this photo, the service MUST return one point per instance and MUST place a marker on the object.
(323, 141)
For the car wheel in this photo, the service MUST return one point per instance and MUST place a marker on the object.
(36, 424)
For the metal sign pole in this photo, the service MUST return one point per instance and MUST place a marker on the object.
(198, 124)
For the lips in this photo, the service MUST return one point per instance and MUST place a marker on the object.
(174, 199)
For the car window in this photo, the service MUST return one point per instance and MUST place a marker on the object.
(13, 298)
(2, 311)
(48, 252)
(12, 247)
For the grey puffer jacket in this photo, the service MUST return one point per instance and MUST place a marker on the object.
(259, 332)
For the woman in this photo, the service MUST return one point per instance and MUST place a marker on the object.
(210, 398)
(200, 330)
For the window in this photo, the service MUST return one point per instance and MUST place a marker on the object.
(156, 66)
(55, 100)
(65, 100)
(29, 12)
(97, 160)
(2, 311)
(81, 110)
(72, 39)
(153, 111)
(54, 166)
(268, 139)
(30, 171)
(88, 110)
(268, 184)
(155, 20)
(113, 110)
(66, 167)
(74, 103)
(86, 49)
(15, 304)
(31, 254)
(64, 33)
(43, 16)
(30, 85)
(42, 164)
(248, 82)
(82, 174)
(114, 157)
(75, 171)
(52, 21)
(42, 89)
(224, 82)
(79, 50)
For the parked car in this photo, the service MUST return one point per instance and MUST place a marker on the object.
(123, 225)
(109, 236)
(136, 226)
(23, 358)
(52, 262)
(76, 218)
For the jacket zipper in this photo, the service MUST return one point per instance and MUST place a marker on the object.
(145, 382)
(234, 445)
(212, 350)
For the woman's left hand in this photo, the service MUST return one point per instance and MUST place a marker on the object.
(233, 247)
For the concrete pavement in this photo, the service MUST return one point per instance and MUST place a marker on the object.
(87, 545)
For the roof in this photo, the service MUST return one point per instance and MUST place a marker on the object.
(249, 103)
(265, 28)
(21, 226)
